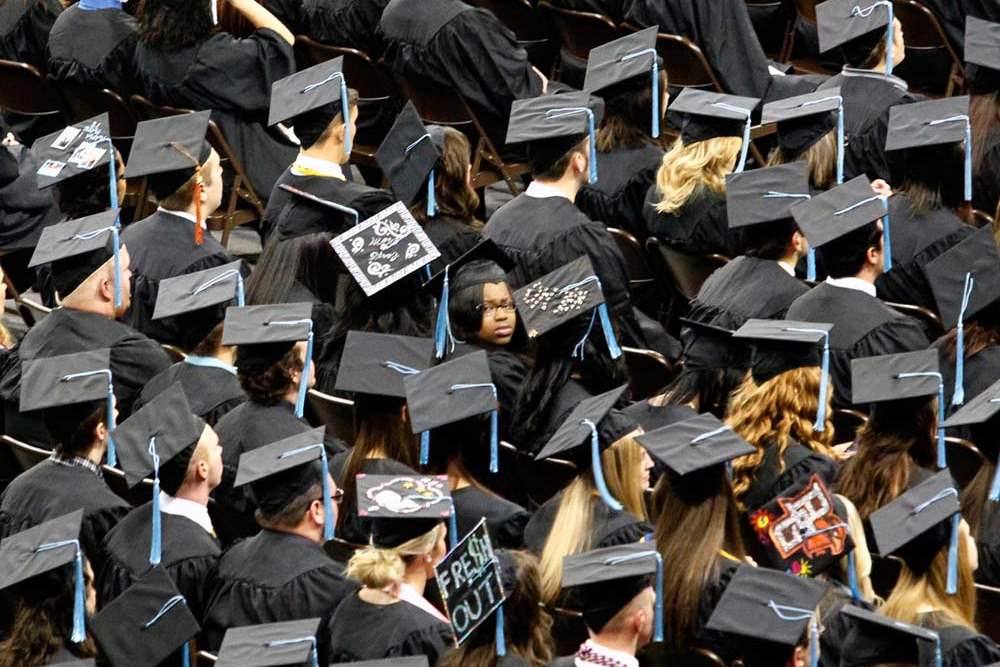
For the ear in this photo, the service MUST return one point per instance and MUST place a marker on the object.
(101, 431)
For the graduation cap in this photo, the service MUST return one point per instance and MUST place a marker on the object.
(763, 604)
(321, 89)
(877, 639)
(161, 435)
(287, 454)
(709, 115)
(265, 334)
(77, 248)
(403, 507)
(982, 55)
(695, 444)
(145, 624)
(169, 152)
(708, 347)
(980, 410)
(455, 390)
(402, 661)
(623, 58)
(441, 284)
(294, 226)
(553, 124)
(918, 524)
(584, 421)
(70, 378)
(840, 210)
(944, 121)
(843, 21)
(43, 548)
(74, 150)
(197, 300)
(408, 156)
(376, 364)
(784, 345)
(270, 644)
(965, 279)
(805, 119)
(561, 295)
(606, 580)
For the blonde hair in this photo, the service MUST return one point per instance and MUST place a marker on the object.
(701, 164)
(380, 568)
(862, 555)
(572, 529)
(768, 415)
(821, 159)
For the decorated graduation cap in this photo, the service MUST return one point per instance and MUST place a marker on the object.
(78, 248)
(857, 26)
(551, 125)
(561, 295)
(982, 55)
(377, 364)
(591, 428)
(805, 119)
(275, 474)
(408, 156)
(271, 644)
(455, 390)
(606, 580)
(264, 334)
(620, 60)
(766, 605)
(965, 279)
(876, 639)
(68, 378)
(43, 548)
(159, 439)
(694, 444)
(404, 507)
(441, 283)
(311, 98)
(892, 377)
(147, 623)
(169, 152)
(979, 413)
(709, 115)
(919, 523)
(197, 300)
(75, 150)
(784, 345)
(931, 123)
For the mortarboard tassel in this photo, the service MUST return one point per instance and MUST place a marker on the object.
(609, 332)
(215, 12)
(501, 640)
(958, 397)
(431, 201)
(328, 533)
(115, 238)
(886, 239)
(79, 610)
(852, 576)
(167, 606)
(840, 142)
(345, 114)
(595, 460)
(951, 587)
(937, 650)
(655, 69)
(658, 609)
(155, 539)
(112, 457)
(813, 642)
(494, 444)
(313, 657)
(889, 46)
(591, 130)
(452, 529)
(442, 327)
(300, 400)
(746, 133)
(789, 613)
(425, 447)
(186, 655)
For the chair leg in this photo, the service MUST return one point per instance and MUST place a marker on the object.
(757, 154)
(227, 223)
(26, 315)
(952, 77)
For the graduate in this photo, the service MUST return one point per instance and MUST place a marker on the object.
(350, 23)
(982, 37)
(808, 128)
(76, 415)
(846, 225)
(183, 61)
(313, 101)
(285, 642)
(92, 45)
(173, 532)
(24, 31)
(390, 616)
(874, 639)
(281, 574)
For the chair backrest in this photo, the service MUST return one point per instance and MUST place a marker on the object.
(927, 40)
(847, 423)
(988, 611)
(336, 413)
(437, 105)
(363, 74)
(975, 217)
(964, 459)
(636, 266)
(685, 63)
(520, 17)
(648, 370)
(23, 89)
(687, 271)
(86, 102)
(580, 31)
(930, 320)
(27, 455)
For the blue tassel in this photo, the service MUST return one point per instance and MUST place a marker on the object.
(937, 650)
(746, 146)
(240, 293)
(494, 443)
(656, 98)
(112, 455)
(952, 585)
(154, 544)
(968, 161)
(79, 610)
(595, 460)
(658, 610)
(300, 401)
(824, 382)
(314, 655)
(886, 242)
(327, 499)
(813, 643)
(425, 447)
(501, 640)
(811, 265)
(186, 655)
(345, 114)
(852, 576)
(942, 456)
(442, 328)
(452, 530)
(840, 142)
(609, 332)
(593, 147)
(889, 39)
(958, 397)
(431, 201)
(995, 486)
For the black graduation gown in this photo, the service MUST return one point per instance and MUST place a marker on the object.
(233, 78)
(988, 545)
(611, 528)
(93, 49)
(771, 478)
(162, 246)
(353, 23)
(508, 371)
(134, 360)
(188, 555)
(451, 44)
(24, 30)
(52, 489)
(212, 392)
(717, 642)
(916, 240)
(274, 577)
(452, 237)
(24, 209)
(863, 327)
(367, 201)
(960, 646)
(699, 227)
(624, 177)
(986, 175)
(614, 9)
(651, 417)
(363, 631)
(566, 398)
(353, 528)
(505, 521)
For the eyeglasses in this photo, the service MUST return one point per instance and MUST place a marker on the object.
(490, 309)
(337, 497)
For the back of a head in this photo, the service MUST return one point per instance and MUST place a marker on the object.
(283, 498)
(770, 240)
(452, 193)
(316, 124)
(267, 383)
(845, 256)
(549, 159)
(171, 25)
(72, 427)
(308, 259)
(84, 194)
(702, 165)
(930, 176)
(628, 106)
(68, 274)
(379, 568)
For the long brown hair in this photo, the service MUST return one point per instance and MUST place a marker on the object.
(453, 195)
(774, 413)
(821, 158)
(981, 331)
(984, 115)
(697, 519)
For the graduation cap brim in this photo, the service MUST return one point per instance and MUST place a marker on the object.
(19, 558)
(368, 361)
(608, 564)
(402, 661)
(704, 103)
(801, 106)
(980, 409)
(72, 150)
(194, 291)
(263, 645)
(45, 382)
(839, 23)
(684, 449)
(927, 123)
(547, 117)
(407, 170)
(484, 250)
(619, 60)
(306, 90)
(543, 306)
(978, 255)
(167, 144)
(786, 331)
(431, 400)
(255, 325)
(74, 237)
(404, 497)
(573, 433)
(272, 459)
(982, 42)
(829, 215)
(876, 379)
(897, 524)
(765, 195)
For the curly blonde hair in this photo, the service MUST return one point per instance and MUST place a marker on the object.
(701, 164)
(380, 568)
(773, 413)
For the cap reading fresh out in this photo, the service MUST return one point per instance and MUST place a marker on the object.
(709, 115)
(620, 60)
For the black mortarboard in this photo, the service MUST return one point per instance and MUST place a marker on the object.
(606, 580)
(408, 156)
(856, 25)
(765, 195)
(982, 55)
(290, 225)
(73, 150)
(708, 115)
(78, 248)
(695, 444)
(930, 123)
(311, 98)
(270, 644)
(402, 661)
(552, 125)
(403, 507)
(805, 119)
(979, 410)
(709, 347)
(621, 59)
(918, 524)
(169, 151)
(145, 624)
(89, 662)
(198, 290)
(375, 363)
(876, 639)
(43, 548)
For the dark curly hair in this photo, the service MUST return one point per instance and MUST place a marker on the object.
(172, 25)
(271, 386)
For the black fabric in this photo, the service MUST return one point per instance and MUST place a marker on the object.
(774, 476)
(24, 209)
(505, 521)
(610, 527)
(986, 175)
(626, 174)
(212, 392)
(651, 417)
(352, 23)
(24, 30)
(452, 237)
(988, 545)
(93, 49)
(960, 645)
(699, 227)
